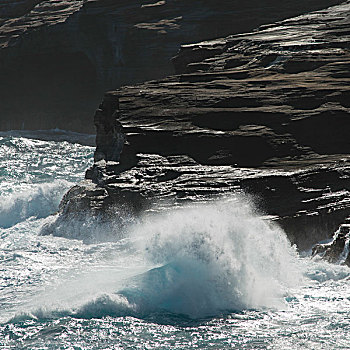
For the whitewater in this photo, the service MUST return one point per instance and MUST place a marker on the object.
(202, 276)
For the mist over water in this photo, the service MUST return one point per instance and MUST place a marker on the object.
(211, 276)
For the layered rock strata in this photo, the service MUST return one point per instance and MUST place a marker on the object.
(264, 113)
(57, 57)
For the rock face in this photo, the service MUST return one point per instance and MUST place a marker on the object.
(57, 57)
(336, 251)
(264, 113)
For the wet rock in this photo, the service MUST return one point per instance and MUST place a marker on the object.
(88, 200)
(253, 119)
(337, 250)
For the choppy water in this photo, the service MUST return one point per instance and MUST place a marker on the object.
(212, 276)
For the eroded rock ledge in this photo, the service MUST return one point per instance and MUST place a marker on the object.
(264, 113)
(58, 57)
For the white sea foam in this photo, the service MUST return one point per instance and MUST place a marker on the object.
(90, 229)
(200, 261)
(213, 258)
(197, 261)
(57, 135)
(204, 260)
(38, 200)
(322, 271)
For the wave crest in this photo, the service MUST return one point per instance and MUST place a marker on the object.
(199, 262)
(39, 201)
(213, 258)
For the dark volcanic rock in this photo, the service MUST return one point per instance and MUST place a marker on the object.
(264, 113)
(57, 57)
(336, 251)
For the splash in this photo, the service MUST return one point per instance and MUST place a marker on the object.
(198, 261)
(213, 258)
(89, 228)
(38, 200)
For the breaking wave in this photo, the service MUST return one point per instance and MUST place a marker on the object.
(213, 258)
(39, 201)
(199, 262)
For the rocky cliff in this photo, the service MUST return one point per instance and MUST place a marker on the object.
(57, 57)
(264, 113)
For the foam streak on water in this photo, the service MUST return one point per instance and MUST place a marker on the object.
(210, 276)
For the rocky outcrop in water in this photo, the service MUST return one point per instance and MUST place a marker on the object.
(57, 57)
(337, 250)
(264, 113)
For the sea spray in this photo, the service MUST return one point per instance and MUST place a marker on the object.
(37, 200)
(90, 228)
(212, 258)
(198, 261)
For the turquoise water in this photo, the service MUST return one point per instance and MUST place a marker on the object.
(211, 276)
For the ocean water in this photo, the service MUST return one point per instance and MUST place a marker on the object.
(209, 276)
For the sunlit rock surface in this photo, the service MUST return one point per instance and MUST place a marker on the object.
(264, 113)
(58, 57)
(337, 250)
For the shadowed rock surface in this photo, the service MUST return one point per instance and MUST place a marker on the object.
(264, 113)
(57, 57)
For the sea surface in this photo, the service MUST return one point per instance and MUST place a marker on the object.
(209, 276)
